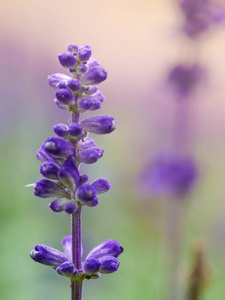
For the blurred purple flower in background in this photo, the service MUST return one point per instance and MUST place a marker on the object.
(169, 175)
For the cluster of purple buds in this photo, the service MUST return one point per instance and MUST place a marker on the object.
(101, 259)
(62, 154)
(200, 15)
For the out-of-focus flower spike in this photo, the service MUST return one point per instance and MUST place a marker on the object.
(67, 60)
(91, 266)
(68, 174)
(61, 130)
(57, 205)
(94, 75)
(46, 188)
(109, 264)
(67, 269)
(107, 248)
(49, 170)
(58, 147)
(99, 124)
(48, 256)
(84, 53)
(101, 185)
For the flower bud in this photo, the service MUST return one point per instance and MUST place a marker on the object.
(62, 84)
(68, 174)
(67, 268)
(73, 48)
(84, 104)
(81, 69)
(59, 104)
(74, 85)
(67, 246)
(49, 170)
(109, 264)
(83, 179)
(48, 256)
(61, 130)
(98, 96)
(57, 205)
(99, 124)
(84, 53)
(91, 266)
(107, 248)
(67, 60)
(70, 207)
(85, 193)
(94, 75)
(94, 202)
(45, 188)
(101, 185)
(65, 96)
(75, 130)
(59, 147)
(91, 90)
(92, 63)
(95, 104)
(90, 155)
(86, 143)
(55, 79)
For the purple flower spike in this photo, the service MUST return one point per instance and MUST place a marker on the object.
(64, 96)
(91, 266)
(68, 174)
(84, 53)
(48, 256)
(99, 125)
(74, 85)
(101, 185)
(67, 246)
(109, 264)
(61, 130)
(67, 60)
(66, 269)
(55, 79)
(75, 129)
(94, 202)
(70, 207)
(59, 147)
(90, 155)
(73, 48)
(94, 75)
(107, 248)
(49, 170)
(84, 104)
(45, 188)
(57, 205)
(85, 193)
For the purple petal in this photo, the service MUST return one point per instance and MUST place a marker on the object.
(107, 248)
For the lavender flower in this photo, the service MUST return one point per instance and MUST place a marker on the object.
(168, 175)
(61, 157)
(200, 15)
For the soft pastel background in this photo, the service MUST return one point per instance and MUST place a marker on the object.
(136, 41)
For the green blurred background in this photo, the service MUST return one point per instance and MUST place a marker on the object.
(136, 41)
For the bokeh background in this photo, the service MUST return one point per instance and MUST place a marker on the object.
(136, 41)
